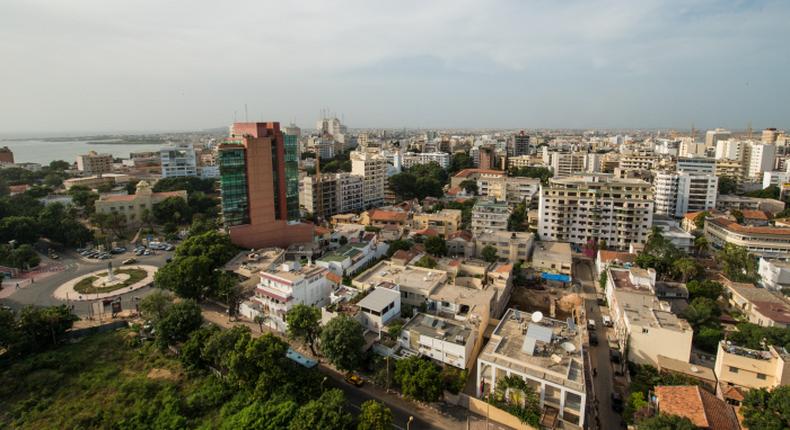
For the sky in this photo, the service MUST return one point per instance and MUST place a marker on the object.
(153, 65)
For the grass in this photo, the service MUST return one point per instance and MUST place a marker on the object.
(102, 382)
(85, 286)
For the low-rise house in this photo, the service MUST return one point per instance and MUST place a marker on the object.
(290, 284)
(380, 306)
(704, 375)
(774, 274)
(546, 353)
(461, 243)
(703, 409)
(729, 202)
(442, 339)
(416, 283)
(385, 218)
(755, 217)
(554, 260)
(352, 257)
(134, 205)
(513, 246)
(741, 367)
(644, 325)
(761, 306)
(606, 259)
(445, 222)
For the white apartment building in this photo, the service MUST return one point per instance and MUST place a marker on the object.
(712, 137)
(178, 160)
(676, 194)
(412, 159)
(644, 325)
(761, 159)
(567, 163)
(638, 162)
(338, 192)
(730, 149)
(580, 209)
(775, 178)
(373, 169)
(546, 353)
(379, 307)
(510, 245)
(774, 274)
(288, 285)
(442, 339)
(689, 148)
(489, 216)
(699, 165)
(94, 163)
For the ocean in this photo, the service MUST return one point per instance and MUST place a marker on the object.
(44, 152)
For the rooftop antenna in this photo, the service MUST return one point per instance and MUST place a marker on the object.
(245, 113)
(693, 132)
(749, 130)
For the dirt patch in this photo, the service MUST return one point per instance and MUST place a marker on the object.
(560, 301)
(158, 373)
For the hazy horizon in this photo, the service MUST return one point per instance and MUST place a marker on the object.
(148, 67)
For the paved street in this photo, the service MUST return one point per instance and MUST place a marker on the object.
(40, 292)
(599, 355)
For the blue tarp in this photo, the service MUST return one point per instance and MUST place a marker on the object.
(301, 359)
(555, 277)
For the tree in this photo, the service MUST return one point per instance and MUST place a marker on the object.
(738, 215)
(668, 422)
(701, 245)
(453, 379)
(460, 161)
(518, 218)
(59, 225)
(727, 185)
(707, 288)
(418, 378)
(489, 254)
(270, 415)
(542, 173)
(110, 223)
(686, 267)
(201, 224)
(22, 257)
(212, 244)
(737, 264)
(40, 328)
(699, 220)
(436, 246)
(397, 245)
(374, 416)
(188, 183)
(702, 311)
(771, 192)
(769, 410)
(708, 338)
(22, 229)
(303, 323)
(324, 413)
(59, 165)
(83, 197)
(155, 305)
(172, 209)
(189, 277)
(470, 186)
(180, 320)
(636, 407)
(426, 262)
(342, 341)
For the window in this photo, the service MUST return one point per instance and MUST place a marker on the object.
(644, 330)
(761, 376)
(733, 369)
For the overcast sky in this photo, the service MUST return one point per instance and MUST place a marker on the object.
(111, 65)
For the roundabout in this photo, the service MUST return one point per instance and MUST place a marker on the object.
(102, 284)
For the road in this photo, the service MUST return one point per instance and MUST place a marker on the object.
(599, 355)
(40, 292)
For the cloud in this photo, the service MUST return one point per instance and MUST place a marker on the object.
(188, 64)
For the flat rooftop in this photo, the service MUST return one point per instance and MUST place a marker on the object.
(439, 328)
(645, 310)
(410, 278)
(552, 251)
(556, 348)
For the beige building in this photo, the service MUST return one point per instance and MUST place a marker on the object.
(749, 368)
(513, 246)
(761, 306)
(489, 216)
(581, 209)
(768, 242)
(133, 205)
(373, 169)
(445, 222)
(94, 163)
(644, 326)
(96, 181)
(553, 257)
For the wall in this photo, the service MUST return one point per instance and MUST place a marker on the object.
(484, 409)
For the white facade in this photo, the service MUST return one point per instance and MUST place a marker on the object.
(412, 159)
(178, 160)
(701, 165)
(774, 274)
(379, 307)
(761, 159)
(677, 194)
(712, 137)
(729, 149)
(291, 284)
(689, 148)
(775, 178)
(442, 339)
(584, 208)
(567, 163)
(373, 169)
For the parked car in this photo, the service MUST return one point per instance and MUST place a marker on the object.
(130, 261)
(593, 339)
(147, 252)
(169, 247)
(591, 324)
(617, 402)
(354, 379)
(607, 322)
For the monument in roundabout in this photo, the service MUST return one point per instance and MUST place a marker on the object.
(103, 284)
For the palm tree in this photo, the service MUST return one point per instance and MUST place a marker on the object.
(686, 267)
(701, 244)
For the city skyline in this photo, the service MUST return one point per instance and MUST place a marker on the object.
(88, 66)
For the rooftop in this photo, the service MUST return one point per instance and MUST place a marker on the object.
(379, 298)
(686, 368)
(415, 279)
(467, 172)
(439, 328)
(614, 256)
(701, 407)
(548, 349)
(555, 250)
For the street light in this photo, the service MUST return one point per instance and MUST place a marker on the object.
(408, 423)
(322, 384)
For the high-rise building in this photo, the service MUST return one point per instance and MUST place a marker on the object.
(178, 160)
(713, 136)
(338, 193)
(730, 149)
(761, 159)
(331, 126)
(293, 130)
(373, 169)
(489, 216)
(769, 135)
(690, 148)
(702, 165)
(677, 194)
(487, 157)
(567, 163)
(518, 145)
(412, 159)
(94, 163)
(580, 209)
(6, 155)
(259, 180)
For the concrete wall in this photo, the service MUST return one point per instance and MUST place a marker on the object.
(482, 408)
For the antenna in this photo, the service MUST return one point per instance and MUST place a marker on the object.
(234, 116)
(245, 113)
(749, 130)
(693, 132)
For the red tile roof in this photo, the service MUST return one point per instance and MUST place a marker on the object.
(382, 215)
(623, 257)
(745, 229)
(465, 235)
(753, 214)
(427, 232)
(466, 172)
(701, 407)
(131, 197)
(337, 279)
(320, 231)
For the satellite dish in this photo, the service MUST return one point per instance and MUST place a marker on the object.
(568, 347)
(556, 358)
(537, 316)
(694, 369)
